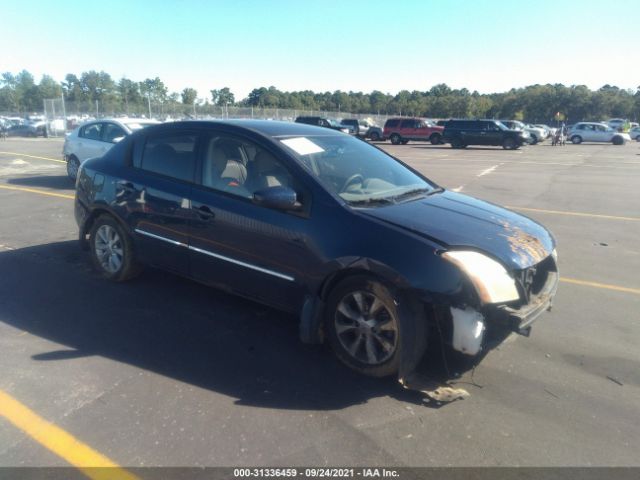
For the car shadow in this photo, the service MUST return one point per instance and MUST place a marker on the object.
(58, 182)
(183, 330)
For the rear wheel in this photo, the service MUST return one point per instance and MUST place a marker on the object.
(534, 139)
(618, 141)
(435, 139)
(375, 136)
(396, 139)
(576, 139)
(73, 165)
(363, 324)
(112, 250)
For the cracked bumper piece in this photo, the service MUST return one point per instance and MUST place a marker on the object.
(519, 320)
(468, 330)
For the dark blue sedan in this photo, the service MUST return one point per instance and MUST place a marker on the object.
(370, 254)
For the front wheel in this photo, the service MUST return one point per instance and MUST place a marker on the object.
(396, 139)
(618, 141)
(112, 250)
(509, 144)
(375, 136)
(435, 139)
(363, 326)
(534, 139)
(73, 165)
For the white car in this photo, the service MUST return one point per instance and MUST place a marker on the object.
(616, 123)
(634, 133)
(532, 134)
(94, 139)
(596, 132)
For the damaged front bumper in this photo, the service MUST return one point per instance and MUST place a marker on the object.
(474, 330)
(519, 320)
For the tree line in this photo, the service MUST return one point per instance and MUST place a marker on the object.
(535, 103)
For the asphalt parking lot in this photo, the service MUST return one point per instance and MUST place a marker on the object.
(165, 372)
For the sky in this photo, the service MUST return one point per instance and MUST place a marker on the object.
(327, 45)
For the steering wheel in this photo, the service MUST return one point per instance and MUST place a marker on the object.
(352, 179)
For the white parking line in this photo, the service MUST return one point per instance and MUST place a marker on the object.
(487, 171)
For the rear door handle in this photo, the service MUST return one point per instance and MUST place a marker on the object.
(205, 213)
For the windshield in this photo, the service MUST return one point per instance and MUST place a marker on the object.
(358, 173)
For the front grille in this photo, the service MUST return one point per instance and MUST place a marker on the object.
(532, 280)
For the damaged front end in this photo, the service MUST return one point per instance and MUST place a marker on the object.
(504, 302)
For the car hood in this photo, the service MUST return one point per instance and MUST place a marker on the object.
(459, 221)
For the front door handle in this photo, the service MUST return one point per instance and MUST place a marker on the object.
(205, 213)
(126, 187)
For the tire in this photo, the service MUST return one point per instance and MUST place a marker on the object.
(375, 137)
(73, 164)
(368, 342)
(509, 144)
(435, 139)
(457, 143)
(618, 141)
(396, 139)
(534, 140)
(112, 251)
(576, 139)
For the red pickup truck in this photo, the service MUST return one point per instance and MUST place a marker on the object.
(401, 130)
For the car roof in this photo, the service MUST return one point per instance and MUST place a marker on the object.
(268, 128)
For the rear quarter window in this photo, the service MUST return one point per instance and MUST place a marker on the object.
(170, 155)
(392, 123)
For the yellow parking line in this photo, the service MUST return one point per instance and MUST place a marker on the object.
(33, 190)
(93, 464)
(575, 214)
(600, 285)
(33, 156)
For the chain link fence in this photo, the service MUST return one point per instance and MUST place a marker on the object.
(61, 115)
(55, 116)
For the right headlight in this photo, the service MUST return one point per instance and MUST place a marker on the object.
(490, 279)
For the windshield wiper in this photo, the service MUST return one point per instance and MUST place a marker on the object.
(412, 193)
(371, 201)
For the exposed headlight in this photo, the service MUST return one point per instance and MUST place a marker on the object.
(490, 279)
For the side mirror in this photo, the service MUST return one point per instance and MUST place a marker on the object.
(278, 198)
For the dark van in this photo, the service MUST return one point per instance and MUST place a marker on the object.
(461, 133)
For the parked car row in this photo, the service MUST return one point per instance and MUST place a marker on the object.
(353, 126)
(95, 138)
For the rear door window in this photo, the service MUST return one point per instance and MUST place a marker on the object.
(92, 131)
(170, 155)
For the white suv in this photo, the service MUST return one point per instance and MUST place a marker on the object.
(94, 139)
(596, 132)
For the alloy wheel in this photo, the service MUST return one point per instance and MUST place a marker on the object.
(109, 249)
(366, 328)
